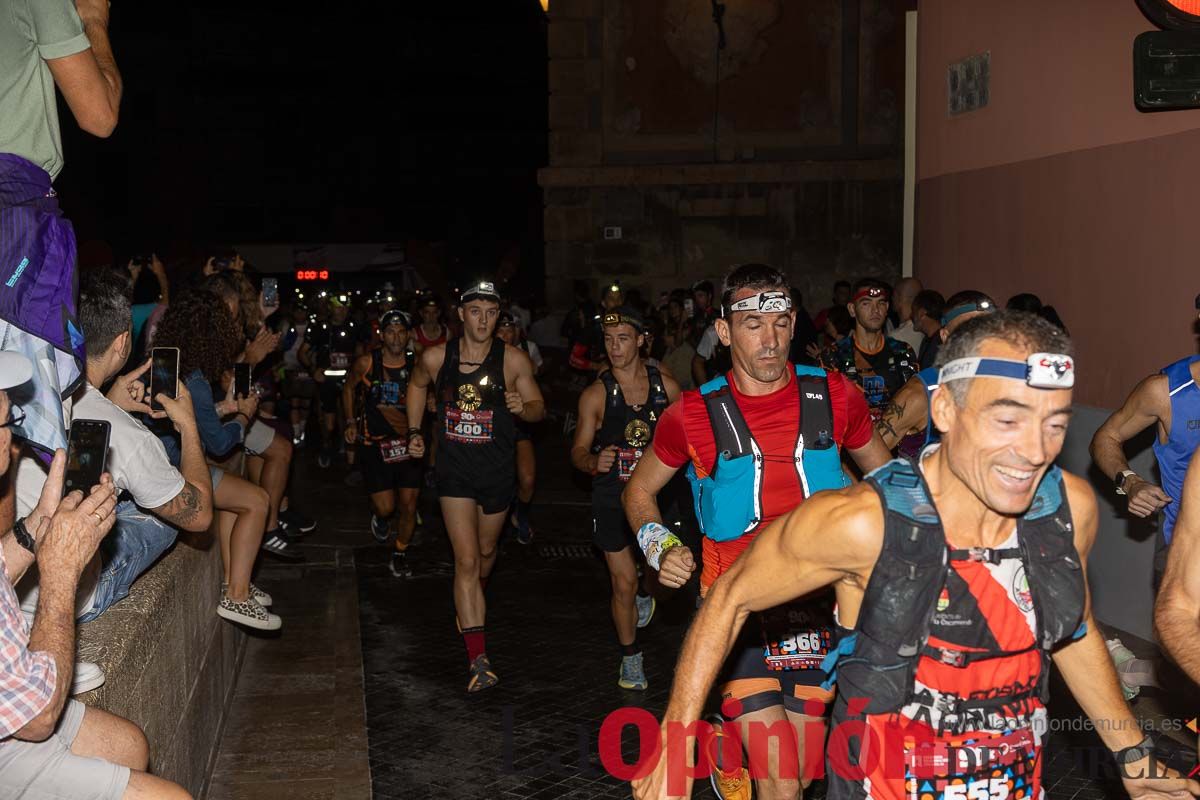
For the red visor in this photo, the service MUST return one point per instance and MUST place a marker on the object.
(870, 291)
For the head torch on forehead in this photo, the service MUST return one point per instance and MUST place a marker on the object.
(871, 292)
(772, 302)
(986, 306)
(1040, 370)
(611, 319)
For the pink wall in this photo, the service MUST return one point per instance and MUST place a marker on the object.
(1060, 187)
(1061, 80)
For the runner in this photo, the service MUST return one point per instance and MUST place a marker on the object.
(962, 576)
(739, 436)
(879, 364)
(904, 425)
(373, 402)
(509, 332)
(328, 350)
(482, 385)
(431, 331)
(617, 417)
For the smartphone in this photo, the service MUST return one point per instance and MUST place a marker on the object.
(270, 292)
(164, 374)
(241, 381)
(87, 453)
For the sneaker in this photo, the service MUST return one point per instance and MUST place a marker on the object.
(324, 459)
(1122, 655)
(482, 676)
(399, 565)
(731, 787)
(249, 613)
(381, 529)
(632, 674)
(87, 676)
(294, 521)
(277, 545)
(525, 532)
(645, 608)
(265, 600)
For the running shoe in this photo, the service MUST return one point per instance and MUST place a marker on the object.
(324, 459)
(294, 521)
(645, 609)
(399, 565)
(380, 529)
(731, 787)
(524, 532)
(249, 613)
(482, 676)
(633, 676)
(277, 545)
(265, 600)
(87, 676)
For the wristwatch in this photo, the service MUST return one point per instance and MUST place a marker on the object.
(21, 534)
(1122, 478)
(1139, 751)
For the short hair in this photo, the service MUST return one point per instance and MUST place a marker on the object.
(104, 308)
(751, 276)
(1020, 329)
(972, 296)
(931, 302)
(1024, 302)
(841, 284)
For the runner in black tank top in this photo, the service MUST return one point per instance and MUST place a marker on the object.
(617, 416)
(374, 403)
(481, 386)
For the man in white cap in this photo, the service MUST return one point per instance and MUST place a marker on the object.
(50, 745)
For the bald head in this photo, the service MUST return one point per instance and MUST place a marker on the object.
(902, 297)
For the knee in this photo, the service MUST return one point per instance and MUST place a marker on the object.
(281, 448)
(467, 566)
(624, 586)
(261, 500)
(785, 788)
(135, 748)
(485, 555)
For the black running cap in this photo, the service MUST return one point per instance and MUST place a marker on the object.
(484, 290)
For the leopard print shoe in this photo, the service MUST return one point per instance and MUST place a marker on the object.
(249, 613)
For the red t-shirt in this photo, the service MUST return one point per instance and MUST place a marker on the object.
(683, 435)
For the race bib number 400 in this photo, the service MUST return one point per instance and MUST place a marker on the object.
(627, 460)
(469, 427)
(393, 451)
(985, 767)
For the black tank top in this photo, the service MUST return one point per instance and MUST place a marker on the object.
(629, 428)
(386, 389)
(476, 431)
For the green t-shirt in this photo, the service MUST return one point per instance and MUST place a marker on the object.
(31, 32)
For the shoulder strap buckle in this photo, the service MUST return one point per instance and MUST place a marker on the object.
(953, 658)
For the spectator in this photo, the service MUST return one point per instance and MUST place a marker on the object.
(53, 746)
(927, 309)
(677, 359)
(1033, 304)
(703, 312)
(902, 304)
(208, 340)
(576, 327)
(841, 298)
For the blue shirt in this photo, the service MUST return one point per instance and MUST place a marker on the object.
(218, 438)
(1183, 438)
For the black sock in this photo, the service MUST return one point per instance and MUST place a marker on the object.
(631, 649)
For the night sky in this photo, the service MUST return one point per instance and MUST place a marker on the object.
(337, 122)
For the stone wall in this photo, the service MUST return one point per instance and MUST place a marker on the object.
(796, 162)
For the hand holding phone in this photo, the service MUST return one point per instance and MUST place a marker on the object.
(87, 454)
(270, 294)
(241, 380)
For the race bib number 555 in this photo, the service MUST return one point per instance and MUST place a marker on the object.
(469, 427)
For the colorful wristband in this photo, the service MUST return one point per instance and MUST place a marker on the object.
(655, 540)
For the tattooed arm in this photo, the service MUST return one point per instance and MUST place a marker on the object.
(907, 413)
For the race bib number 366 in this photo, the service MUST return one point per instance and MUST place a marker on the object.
(469, 427)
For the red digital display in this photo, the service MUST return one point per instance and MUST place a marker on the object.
(312, 274)
(1187, 6)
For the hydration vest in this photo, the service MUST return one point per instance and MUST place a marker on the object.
(626, 428)
(893, 366)
(728, 500)
(386, 387)
(1183, 438)
(879, 661)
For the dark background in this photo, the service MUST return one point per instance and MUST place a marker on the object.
(339, 122)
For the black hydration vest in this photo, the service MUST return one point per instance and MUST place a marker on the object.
(387, 388)
(628, 428)
(476, 431)
(902, 595)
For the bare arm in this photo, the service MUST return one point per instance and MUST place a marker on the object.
(640, 498)
(362, 366)
(191, 509)
(89, 81)
(1177, 610)
(591, 404)
(670, 385)
(872, 455)
(907, 413)
(428, 365)
(532, 405)
(1148, 404)
(699, 374)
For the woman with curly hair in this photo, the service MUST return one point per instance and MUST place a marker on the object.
(208, 339)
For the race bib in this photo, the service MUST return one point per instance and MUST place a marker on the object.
(626, 461)
(469, 427)
(339, 360)
(984, 767)
(394, 451)
(794, 637)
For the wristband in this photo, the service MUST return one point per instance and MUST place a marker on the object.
(21, 534)
(655, 540)
(411, 433)
(1130, 755)
(242, 414)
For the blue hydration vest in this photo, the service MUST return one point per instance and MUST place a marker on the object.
(929, 377)
(729, 500)
(1183, 438)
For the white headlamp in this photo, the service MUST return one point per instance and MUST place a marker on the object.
(1040, 370)
(772, 302)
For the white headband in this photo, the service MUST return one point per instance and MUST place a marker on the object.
(1040, 370)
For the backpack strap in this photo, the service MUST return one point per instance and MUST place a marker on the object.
(730, 431)
(657, 398)
(816, 409)
(612, 426)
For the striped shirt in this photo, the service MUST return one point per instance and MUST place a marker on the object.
(26, 679)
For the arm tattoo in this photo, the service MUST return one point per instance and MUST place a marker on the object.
(184, 508)
(886, 424)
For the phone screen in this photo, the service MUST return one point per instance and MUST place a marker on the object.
(87, 453)
(164, 374)
(241, 380)
(270, 292)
